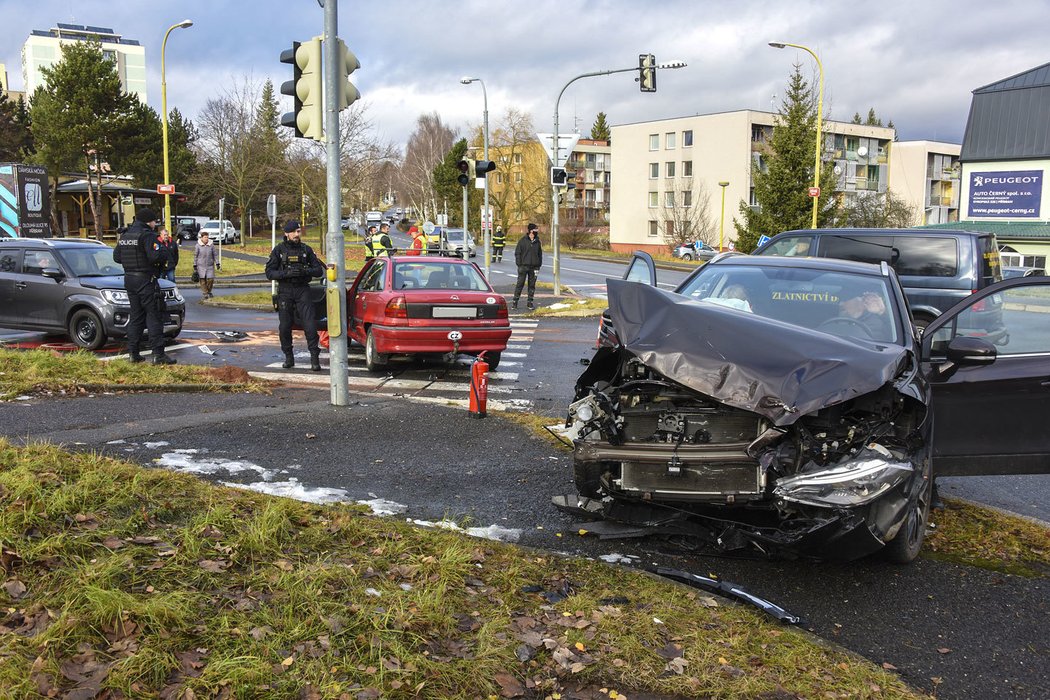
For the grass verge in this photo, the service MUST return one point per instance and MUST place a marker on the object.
(230, 266)
(260, 297)
(572, 308)
(147, 583)
(976, 536)
(26, 372)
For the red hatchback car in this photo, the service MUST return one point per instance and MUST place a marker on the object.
(416, 305)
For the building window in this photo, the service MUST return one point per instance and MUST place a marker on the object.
(687, 198)
(669, 168)
(654, 171)
(517, 159)
(654, 200)
(669, 200)
(687, 168)
(517, 177)
(654, 229)
(654, 142)
(687, 138)
(670, 140)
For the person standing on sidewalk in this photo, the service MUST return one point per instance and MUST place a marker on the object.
(528, 256)
(499, 239)
(171, 250)
(369, 235)
(140, 253)
(293, 264)
(205, 263)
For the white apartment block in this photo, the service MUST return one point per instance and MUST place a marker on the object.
(925, 174)
(44, 48)
(661, 165)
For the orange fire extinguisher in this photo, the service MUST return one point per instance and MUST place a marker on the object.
(479, 387)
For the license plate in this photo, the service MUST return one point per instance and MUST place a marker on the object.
(455, 312)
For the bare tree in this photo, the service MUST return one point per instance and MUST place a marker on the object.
(426, 147)
(874, 210)
(519, 189)
(685, 213)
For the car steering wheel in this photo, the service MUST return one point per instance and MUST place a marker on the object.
(845, 321)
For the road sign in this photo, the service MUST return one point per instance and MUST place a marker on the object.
(428, 227)
(271, 207)
(566, 142)
(762, 240)
(814, 191)
(165, 189)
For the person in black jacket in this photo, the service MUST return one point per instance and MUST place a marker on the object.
(528, 256)
(144, 258)
(171, 249)
(293, 264)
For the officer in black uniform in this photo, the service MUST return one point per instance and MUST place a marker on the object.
(144, 259)
(293, 263)
(499, 240)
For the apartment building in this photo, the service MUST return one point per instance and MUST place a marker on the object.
(926, 175)
(588, 204)
(43, 49)
(666, 173)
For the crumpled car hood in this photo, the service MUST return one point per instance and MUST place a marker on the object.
(744, 360)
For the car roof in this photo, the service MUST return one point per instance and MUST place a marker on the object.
(886, 232)
(59, 243)
(827, 264)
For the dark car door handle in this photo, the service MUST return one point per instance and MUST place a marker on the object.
(21, 285)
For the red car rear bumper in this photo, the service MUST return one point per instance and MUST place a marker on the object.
(406, 340)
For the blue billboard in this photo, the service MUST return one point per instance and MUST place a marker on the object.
(1007, 194)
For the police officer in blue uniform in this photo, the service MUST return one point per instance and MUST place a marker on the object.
(293, 264)
(144, 259)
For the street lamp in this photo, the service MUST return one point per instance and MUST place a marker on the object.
(164, 118)
(722, 222)
(556, 160)
(820, 116)
(486, 231)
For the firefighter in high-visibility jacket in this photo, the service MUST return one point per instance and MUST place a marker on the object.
(381, 243)
(499, 239)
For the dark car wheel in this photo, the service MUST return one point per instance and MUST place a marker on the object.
(374, 361)
(86, 330)
(920, 323)
(588, 477)
(493, 359)
(904, 548)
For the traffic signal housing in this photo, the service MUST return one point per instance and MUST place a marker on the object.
(558, 176)
(348, 63)
(466, 171)
(647, 72)
(483, 167)
(306, 89)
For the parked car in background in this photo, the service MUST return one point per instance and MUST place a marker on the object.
(221, 231)
(452, 242)
(187, 227)
(72, 287)
(697, 250)
(1009, 272)
(423, 305)
(822, 443)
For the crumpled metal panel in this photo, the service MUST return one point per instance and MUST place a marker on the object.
(744, 360)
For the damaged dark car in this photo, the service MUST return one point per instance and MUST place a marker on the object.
(787, 406)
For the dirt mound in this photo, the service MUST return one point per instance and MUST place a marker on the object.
(228, 374)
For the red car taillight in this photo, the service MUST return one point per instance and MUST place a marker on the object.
(979, 306)
(397, 308)
(501, 310)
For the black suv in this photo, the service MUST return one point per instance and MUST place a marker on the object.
(72, 287)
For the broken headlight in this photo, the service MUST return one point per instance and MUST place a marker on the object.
(852, 482)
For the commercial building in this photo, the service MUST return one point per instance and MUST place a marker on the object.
(926, 175)
(44, 48)
(666, 173)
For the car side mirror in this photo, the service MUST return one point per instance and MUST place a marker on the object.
(964, 351)
(52, 272)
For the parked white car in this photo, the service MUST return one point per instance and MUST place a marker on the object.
(221, 231)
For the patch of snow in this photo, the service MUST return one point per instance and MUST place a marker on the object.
(615, 558)
(116, 442)
(187, 461)
(381, 506)
(492, 532)
(294, 489)
(155, 445)
(559, 305)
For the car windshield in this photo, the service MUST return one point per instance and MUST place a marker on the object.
(91, 261)
(438, 275)
(839, 303)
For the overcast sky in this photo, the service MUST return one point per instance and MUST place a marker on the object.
(915, 61)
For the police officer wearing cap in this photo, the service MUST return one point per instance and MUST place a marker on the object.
(144, 259)
(292, 264)
(382, 246)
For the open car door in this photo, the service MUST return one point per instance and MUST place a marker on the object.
(988, 362)
(641, 268)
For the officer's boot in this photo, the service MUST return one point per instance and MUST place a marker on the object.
(315, 361)
(134, 356)
(289, 360)
(163, 359)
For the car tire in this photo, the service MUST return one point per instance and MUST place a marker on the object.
(86, 329)
(493, 358)
(920, 323)
(588, 477)
(904, 548)
(687, 256)
(374, 361)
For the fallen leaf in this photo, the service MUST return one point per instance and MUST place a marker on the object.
(288, 662)
(943, 650)
(888, 666)
(214, 566)
(112, 542)
(15, 588)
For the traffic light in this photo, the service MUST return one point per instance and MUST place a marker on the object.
(348, 63)
(647, 72)
(306, 89)
(466, 171)
(558, 176)
(483, 168)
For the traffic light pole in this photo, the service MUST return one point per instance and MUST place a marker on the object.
(557, 164)
(339, 374)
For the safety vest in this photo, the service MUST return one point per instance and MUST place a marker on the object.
(377, 245)
(499, 238)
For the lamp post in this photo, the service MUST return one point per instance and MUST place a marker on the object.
(556, 160)
(722, 221)
(486, 231)
(164, 118)
(820, 116)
